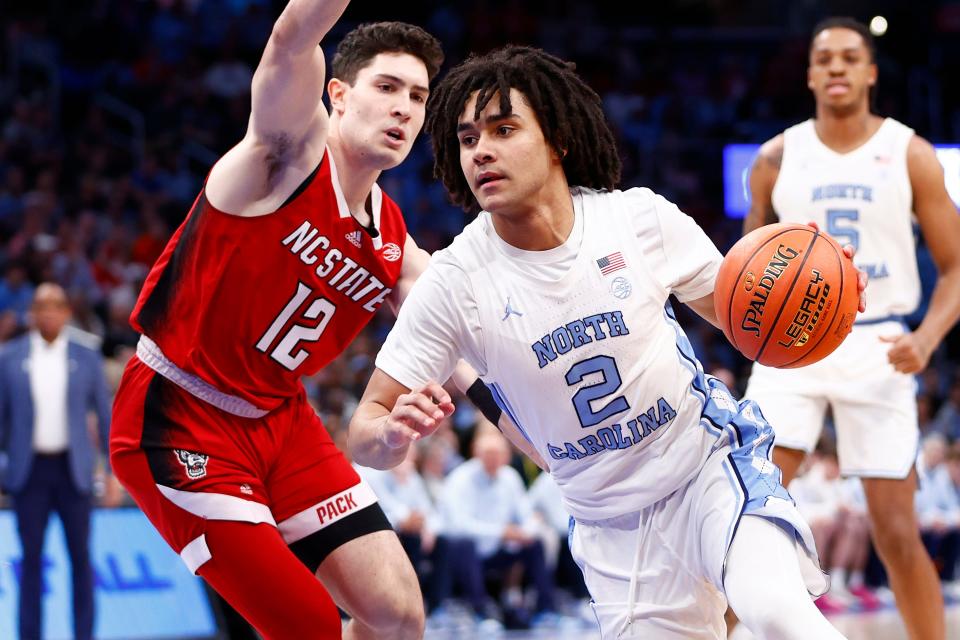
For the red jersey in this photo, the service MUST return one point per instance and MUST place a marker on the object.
(250, 305)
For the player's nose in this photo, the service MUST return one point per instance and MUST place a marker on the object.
(401, 107)
(483, 151)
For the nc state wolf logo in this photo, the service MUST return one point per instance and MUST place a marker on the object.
(195, 463)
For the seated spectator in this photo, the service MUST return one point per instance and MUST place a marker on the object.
(938, 506)
(437, 557)
(839, 527)
(16, 292)
(947, 419)
(547, 503)
(486, 501)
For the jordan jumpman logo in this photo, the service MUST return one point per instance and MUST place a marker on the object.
(509, 309)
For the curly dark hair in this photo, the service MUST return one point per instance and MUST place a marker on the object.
(362, 45)
(568, 111)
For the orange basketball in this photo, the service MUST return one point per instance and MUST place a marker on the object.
(786, 295)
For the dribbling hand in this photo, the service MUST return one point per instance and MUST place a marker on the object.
(416, 414)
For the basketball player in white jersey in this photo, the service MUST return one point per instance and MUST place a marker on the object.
(557, 295)
(864, 179)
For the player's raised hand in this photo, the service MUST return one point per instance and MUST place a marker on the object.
(416, 414)
(909, 353)
(849, 251)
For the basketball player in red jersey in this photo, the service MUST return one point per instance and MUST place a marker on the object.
(286, 254)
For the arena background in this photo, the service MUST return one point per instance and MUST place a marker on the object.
(112, 112)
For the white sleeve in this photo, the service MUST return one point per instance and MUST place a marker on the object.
(684, 260)
(437, 325)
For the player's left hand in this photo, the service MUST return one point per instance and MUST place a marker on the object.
(909, 353)
(848, 251)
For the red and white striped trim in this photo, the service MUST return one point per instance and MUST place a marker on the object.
(151, 355)
(195, 553)
(219, 506)
(326, 512)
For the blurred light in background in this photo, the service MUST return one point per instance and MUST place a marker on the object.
(878, 25)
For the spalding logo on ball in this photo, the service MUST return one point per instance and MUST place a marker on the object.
(786, 295)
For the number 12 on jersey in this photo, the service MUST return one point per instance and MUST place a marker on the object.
(286, 352)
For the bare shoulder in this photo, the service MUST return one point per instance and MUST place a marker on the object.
(920, 151)
(770, 156)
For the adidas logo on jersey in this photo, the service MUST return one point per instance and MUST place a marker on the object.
(355, 238)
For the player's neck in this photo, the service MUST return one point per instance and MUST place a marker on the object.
(845, 131)
(537, 226)
(356, 180)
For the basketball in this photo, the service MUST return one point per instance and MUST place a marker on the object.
(786, 295)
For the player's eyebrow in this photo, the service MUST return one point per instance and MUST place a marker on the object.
(497, 117)
(397, 80)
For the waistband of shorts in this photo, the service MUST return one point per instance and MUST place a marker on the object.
(151, 355)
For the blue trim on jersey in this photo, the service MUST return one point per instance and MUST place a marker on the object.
(711, 419)
(501, 399)
(741, 494)
(899, 319)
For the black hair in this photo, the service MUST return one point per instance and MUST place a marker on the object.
(568, 111)
(364, 43)
(844, 22)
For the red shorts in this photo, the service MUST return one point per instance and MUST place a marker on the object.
(185, 460)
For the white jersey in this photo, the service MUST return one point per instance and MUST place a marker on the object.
(591, 366)
(863, 198)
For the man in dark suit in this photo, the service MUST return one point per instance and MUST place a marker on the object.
(50, 379)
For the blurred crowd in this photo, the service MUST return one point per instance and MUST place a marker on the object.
(112, 112)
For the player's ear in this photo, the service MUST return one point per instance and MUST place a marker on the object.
(336, 92)
(809, 78)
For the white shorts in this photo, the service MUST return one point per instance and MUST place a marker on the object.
(874, 407)
(683, 541)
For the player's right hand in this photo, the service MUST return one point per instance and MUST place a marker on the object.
(416, 414)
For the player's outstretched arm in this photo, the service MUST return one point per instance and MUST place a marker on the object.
(940, 225)
(465, 378)
(288, 121)
(763, 175)
(391, 416)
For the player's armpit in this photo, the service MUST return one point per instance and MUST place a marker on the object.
(415, 261)
(705, 309)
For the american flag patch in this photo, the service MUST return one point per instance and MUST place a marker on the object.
(611, 263)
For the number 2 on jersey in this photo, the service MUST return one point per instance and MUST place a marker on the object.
(284, 351)
(607, 368)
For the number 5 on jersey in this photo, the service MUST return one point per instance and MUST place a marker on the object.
(286, 352)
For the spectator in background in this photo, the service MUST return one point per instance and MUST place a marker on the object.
(485, 500)
(49, 380)
(16, 292)
(547, 503)
(938, 506)
(839, 528)
(436, 555)
(947, 419)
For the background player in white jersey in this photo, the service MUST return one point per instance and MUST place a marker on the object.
(557, 296)
(862, 178)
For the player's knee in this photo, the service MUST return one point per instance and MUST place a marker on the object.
(398, 614)
(767, 615)
(897, 539)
